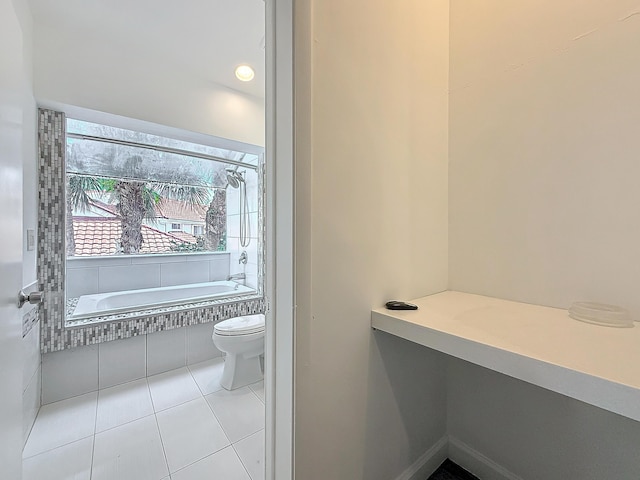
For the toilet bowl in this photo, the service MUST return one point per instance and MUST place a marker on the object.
(242, 339)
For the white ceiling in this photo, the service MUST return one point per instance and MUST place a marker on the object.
(204, 38)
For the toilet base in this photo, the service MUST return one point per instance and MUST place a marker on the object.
(240, 371)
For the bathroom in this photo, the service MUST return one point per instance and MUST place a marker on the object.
(491, 192)
(122, 350)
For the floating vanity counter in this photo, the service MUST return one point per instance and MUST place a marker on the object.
(540, 345)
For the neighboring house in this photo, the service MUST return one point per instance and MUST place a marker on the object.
(101, 236)
(176, 216)
(172, 216)
(185, 237)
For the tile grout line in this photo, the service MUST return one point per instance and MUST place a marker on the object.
(202, 396)
(254, 392)
(178, 404)
(123, 424)
(244, 438)
(95, 426)
(128, 421)
(200, 459)
(29, 434)
(55, 448)
(217, 419)
(164, 452)
(247, 436)
(155, 416)
(241, 461)
(69, 398)
(196, 382)
(223, 429)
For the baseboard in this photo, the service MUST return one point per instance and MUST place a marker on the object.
(428, 462)
(476, 463)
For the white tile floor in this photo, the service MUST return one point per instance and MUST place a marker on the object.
(178, 425)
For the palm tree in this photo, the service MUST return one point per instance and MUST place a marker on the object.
(135, 201)
(77, 197)
(134, 204)
(136, 198)
(216, 220)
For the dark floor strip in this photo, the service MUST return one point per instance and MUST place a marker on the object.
(450, 471)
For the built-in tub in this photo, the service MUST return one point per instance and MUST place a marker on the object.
(131, 300)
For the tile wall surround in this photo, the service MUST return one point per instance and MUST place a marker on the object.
(254, 269)
(55, 335)
(29, 319)
(91, 275)
(77, 371)
(31, 373)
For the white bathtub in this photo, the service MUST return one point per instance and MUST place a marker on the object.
(131, 300)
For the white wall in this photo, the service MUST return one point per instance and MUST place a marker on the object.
(535, 433)
(544, 115)
(544, 118)
(371, 224)
(74, 67)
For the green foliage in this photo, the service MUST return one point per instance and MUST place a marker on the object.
(77, 188)
(222, 246)
(188, 247)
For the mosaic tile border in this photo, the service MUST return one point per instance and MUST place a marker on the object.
(51, 228)
(71, 305)
(51, 263)
(29, 319)
(115, 330)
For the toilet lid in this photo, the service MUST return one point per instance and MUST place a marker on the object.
(241, 325)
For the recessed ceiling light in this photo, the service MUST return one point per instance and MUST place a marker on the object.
(245, 73)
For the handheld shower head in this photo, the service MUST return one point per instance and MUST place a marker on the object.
(234, 178)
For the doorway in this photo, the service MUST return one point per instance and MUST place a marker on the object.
(277, 138)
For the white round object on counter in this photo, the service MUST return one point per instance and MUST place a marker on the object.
(601, 314)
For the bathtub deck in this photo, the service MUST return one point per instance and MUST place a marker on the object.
(178, 425)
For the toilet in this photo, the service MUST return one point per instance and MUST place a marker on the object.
(242, 339)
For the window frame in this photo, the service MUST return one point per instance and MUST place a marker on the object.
(191, 137)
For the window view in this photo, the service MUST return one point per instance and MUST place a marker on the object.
(153, 221)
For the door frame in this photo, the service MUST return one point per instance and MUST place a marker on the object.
(279, 338)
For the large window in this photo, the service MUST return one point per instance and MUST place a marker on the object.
(154, 221)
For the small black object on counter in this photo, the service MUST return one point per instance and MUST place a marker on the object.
(398, 305)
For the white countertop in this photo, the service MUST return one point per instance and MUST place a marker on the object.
(540, 345)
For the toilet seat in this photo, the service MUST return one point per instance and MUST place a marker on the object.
(245, 325)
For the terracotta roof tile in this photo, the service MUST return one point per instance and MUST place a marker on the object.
(184, 236)
(100, 236)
